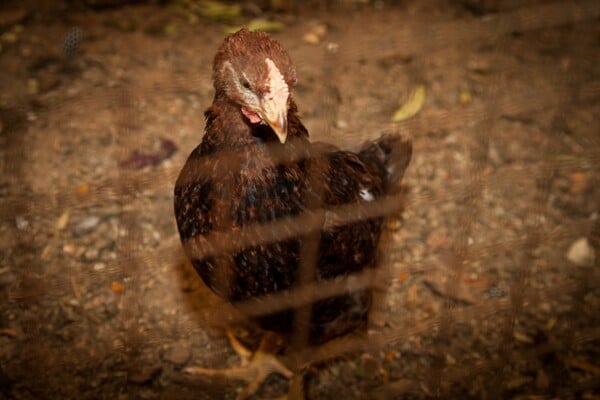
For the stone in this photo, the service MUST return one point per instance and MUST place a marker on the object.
(581, 253)
(85, 225)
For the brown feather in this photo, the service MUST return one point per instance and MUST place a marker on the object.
(216, 192)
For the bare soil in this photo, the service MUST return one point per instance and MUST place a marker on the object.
(493, 281)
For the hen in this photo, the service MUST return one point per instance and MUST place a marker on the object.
(256, 166)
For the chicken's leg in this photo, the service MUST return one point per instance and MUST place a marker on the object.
(254, 368)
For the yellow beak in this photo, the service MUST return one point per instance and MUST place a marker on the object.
(275, 115)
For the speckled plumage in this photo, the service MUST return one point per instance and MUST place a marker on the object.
(225, 195)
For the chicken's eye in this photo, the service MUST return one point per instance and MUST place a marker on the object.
(245, 84)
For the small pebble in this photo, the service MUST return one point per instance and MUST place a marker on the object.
(68, 248)
(99, 266)
(341, 124)
(522, 337)
(311, 38)
(333, 47)
(494, 155)
(315, 35)
(86, 225)
(21, 223)
(581, 253)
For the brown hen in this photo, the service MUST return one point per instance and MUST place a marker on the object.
(256, 166)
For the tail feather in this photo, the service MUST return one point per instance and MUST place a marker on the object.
(390, 154)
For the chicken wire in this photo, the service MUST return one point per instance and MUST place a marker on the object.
(135, 262)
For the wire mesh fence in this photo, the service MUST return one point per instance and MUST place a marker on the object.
(467, 345)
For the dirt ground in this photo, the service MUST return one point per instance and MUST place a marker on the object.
(493, 268)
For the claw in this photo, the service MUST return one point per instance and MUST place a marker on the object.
(253, 369)
(242, 351)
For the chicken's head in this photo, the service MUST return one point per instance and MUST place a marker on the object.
(253, 70)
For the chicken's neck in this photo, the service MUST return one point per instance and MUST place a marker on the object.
(227, 128)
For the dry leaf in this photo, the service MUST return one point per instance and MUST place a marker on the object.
(82, 189)
(8, 332)
(117, 287)
(218, 11)
(258, 25)
(521, 337)
(63, 220)
(46, 253)
(138, 159)
(464, 96)
(413, 105)
(578, 182)
(402, 276)
(265, 26)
